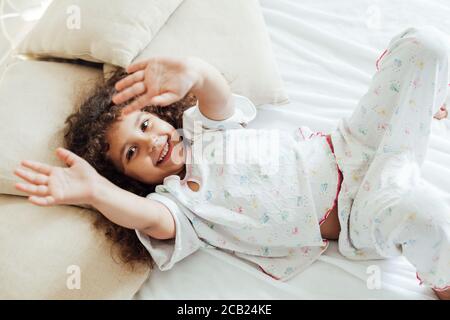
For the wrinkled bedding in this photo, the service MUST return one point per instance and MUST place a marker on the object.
(326, 52)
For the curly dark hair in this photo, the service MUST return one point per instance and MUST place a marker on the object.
(85, 135)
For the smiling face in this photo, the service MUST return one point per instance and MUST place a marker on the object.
(145, 148)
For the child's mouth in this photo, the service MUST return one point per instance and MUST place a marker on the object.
(165, 152)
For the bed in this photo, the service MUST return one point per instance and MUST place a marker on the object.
(326, 52)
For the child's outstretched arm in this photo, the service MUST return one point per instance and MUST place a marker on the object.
(80, 183)
(131, 211)
(163, 81)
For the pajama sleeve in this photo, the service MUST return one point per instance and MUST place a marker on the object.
(245, 111)
(166, 253)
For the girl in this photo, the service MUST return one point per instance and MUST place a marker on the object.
(273, 198)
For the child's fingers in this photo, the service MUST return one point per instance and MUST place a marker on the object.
(67, 156)
(38, 179)
(137, 104)
(42, 201)
(32, 189)
(137, 66)
(130, 80)
(164, 99)
(129, 93)
(37, 166)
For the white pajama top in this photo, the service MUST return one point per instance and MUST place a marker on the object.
(262, 193)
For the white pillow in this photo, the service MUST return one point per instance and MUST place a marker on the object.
(229, 34)
(35, 99)
(112, 31)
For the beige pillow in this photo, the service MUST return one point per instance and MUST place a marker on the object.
(39, 245)
(229, 34)
(35, 99)
(113, 31)
(44, 250)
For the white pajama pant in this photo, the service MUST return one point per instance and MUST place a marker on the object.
(385, 208)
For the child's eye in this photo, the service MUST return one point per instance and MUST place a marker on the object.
(130, 153)
(144, 125)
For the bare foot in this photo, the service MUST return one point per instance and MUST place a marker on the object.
(443, 295)
(442, 113)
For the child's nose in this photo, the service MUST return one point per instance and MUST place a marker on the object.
(152, 141)
(147, 140)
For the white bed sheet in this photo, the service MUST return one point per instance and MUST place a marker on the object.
(326, 51)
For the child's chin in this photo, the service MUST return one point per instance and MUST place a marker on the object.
(174, 168)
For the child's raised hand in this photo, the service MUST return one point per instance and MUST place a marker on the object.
(157, 81)
(49, 185)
